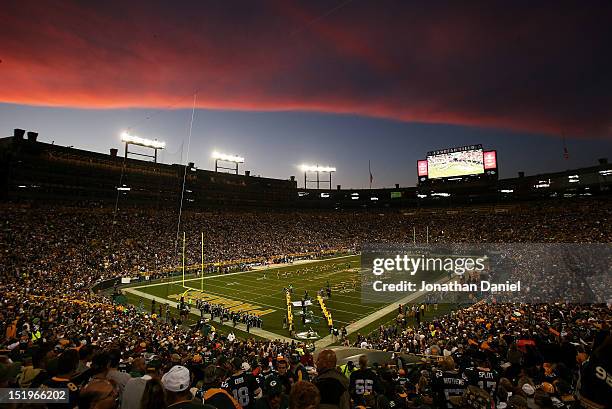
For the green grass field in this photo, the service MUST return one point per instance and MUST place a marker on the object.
(261, 292)
(250, 291)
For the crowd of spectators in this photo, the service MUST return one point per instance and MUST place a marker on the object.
(96, 243)
(56, 333)
(548, 346)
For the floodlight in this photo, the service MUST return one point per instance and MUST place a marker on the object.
(227, 158)
(135, 140)
(316, 168)
(224, 157)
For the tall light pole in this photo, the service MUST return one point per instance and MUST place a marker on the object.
(147, 143)
(223, 157)
(317, 170)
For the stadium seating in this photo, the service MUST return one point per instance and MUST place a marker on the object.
(66, 230)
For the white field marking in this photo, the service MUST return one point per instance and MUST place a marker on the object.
(335, 301)
(308, 279)
(241, 272)
(230, 297)
(335, 320)
(259, 332)
(339, 294)
(256, 331)
(362, 322)
(255, 300)
(299, 281)
(258, 297)
(250, 284)
(234, 290)
(353, 313)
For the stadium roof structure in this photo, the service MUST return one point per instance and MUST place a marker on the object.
(35, 170)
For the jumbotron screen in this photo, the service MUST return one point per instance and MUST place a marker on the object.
(462, 161)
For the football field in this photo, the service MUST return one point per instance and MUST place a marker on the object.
(262, 292)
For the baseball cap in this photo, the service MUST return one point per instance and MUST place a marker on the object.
(153, 362)
(528, 389)
(177, 379)
(272, 386)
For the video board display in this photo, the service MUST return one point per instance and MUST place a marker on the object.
(422, 167)
(490, 160)
(445, 163)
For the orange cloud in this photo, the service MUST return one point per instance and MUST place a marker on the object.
(514, 67)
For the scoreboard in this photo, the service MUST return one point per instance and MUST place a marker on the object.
(469, 160)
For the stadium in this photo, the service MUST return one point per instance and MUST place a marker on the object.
(305, 205)
(133, 282)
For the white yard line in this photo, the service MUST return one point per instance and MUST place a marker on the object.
(275, 267)
(357, 325)
(255, 331)
(321, 343)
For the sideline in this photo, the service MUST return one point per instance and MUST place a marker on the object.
(321, 343)
(255, 331)
(357, 325)
(274, 267)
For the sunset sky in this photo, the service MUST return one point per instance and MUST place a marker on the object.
(330, 82)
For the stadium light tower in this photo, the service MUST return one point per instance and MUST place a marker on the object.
(317, 170)
(147, 143)
(223, 157)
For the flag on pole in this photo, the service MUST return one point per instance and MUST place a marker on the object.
(371, 176)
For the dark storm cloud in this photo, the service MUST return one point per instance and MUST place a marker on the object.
(543, 68)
